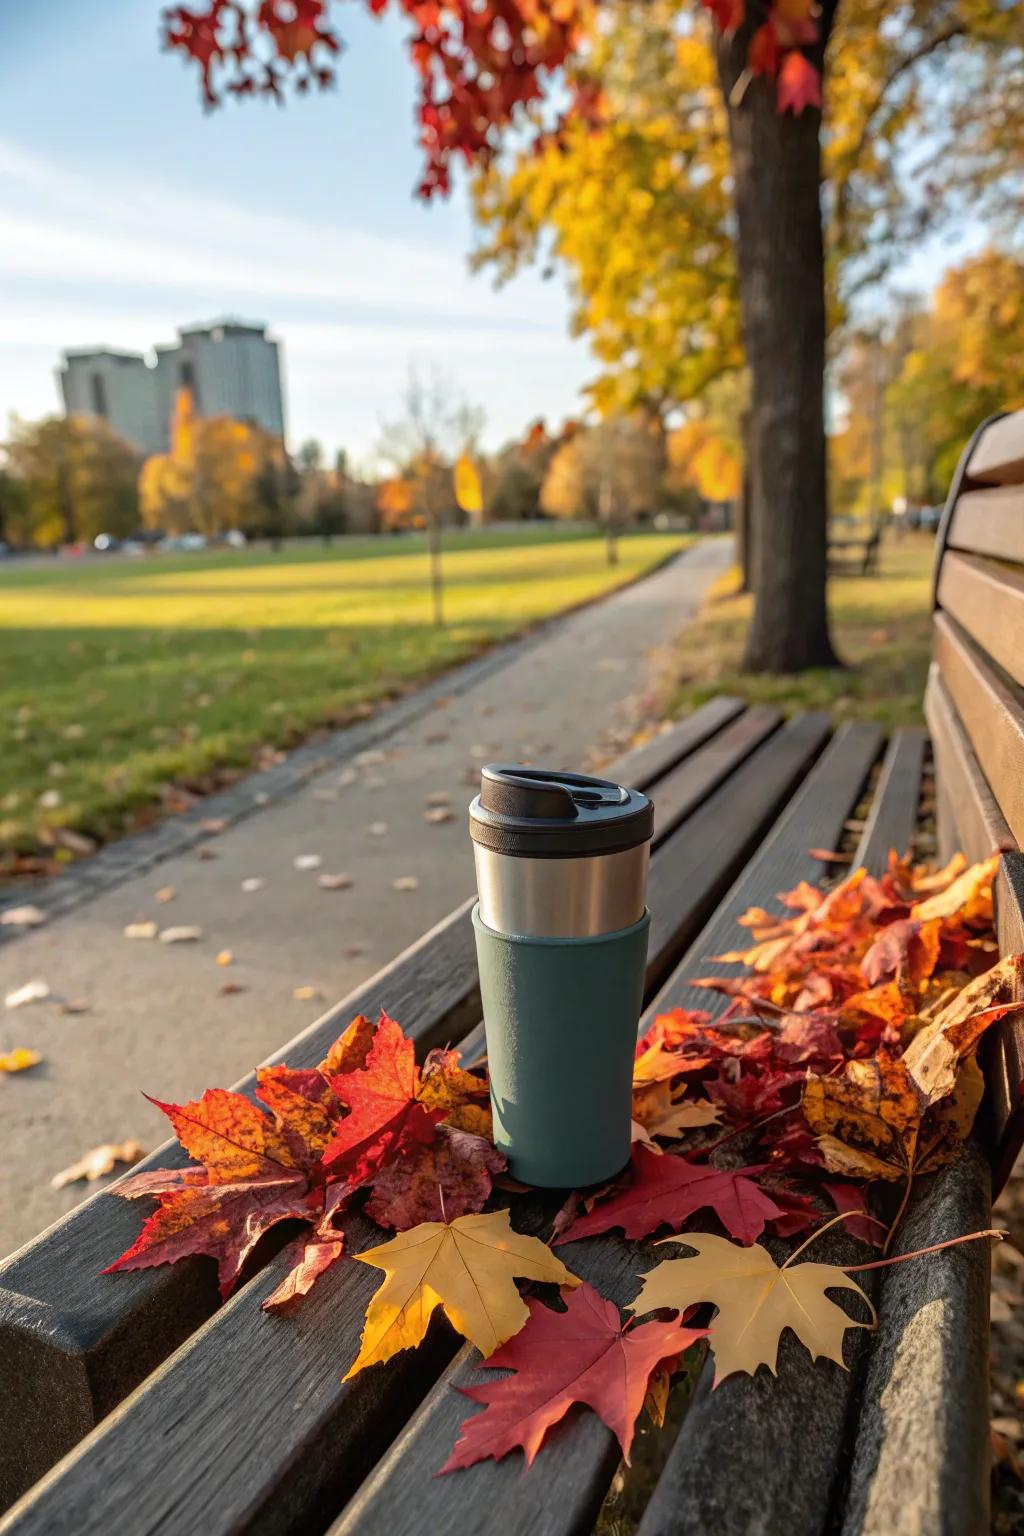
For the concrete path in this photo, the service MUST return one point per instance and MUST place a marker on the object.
(158, 1017)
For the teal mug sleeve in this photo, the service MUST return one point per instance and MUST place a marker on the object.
(561, 1019)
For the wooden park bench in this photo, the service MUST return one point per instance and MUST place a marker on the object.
(856, 556)
(132, 1405)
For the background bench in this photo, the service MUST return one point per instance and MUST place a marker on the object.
(246, 1426)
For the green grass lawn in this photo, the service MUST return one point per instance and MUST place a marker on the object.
(121, 679)
(881, 627)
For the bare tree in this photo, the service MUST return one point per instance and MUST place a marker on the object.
(436, 424)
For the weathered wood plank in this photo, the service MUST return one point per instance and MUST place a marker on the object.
(991, 715)
(646, 764)
(987, 601)
(978, 827)
(72, 1336)
(998, 458)
(921, 1454)
(990, 522)
(685, 787)
(893, 816)
(325, 1418)
(1003, 1051)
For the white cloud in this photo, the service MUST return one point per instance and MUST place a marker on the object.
(108, 259)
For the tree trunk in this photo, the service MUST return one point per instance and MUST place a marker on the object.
(776, 161)
(436, 573)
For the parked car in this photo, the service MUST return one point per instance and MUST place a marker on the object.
(106, 543)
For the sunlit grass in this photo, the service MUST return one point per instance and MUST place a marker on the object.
(121, 679)
(881, 626)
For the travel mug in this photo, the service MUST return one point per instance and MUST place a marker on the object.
(561, 940)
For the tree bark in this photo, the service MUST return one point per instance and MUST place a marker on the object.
(776, 161)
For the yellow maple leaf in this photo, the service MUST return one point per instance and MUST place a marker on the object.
(756, 1301)
(466, 1266)
(19, 1059)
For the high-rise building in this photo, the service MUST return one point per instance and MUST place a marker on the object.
(230, 367)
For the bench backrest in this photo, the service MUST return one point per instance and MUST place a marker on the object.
(975, 698)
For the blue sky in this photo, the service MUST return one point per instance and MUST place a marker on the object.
(126, 211)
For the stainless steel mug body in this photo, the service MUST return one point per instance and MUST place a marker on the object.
(561, 935)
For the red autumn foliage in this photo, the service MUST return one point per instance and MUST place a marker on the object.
(481, 66)
(581, 1355)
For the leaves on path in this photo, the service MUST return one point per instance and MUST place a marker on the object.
(340, 882)
(147, 930)
(581, 1355)
(306, 861)
(19, 1060)
(23, 917)
(34, 991)
(468, 1267)
(756, 1301)
(666, 1191)
(99, 1162)
(183, 933)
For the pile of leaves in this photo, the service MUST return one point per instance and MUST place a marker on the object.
(841, 1068)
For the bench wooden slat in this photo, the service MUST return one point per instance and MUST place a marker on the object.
(969, 818)
(646, 764)
(991, 715)
(893, 816)
(1003, 1050)
(92, 1340)
(400, 1499)
(686, 786)
(921, 1449)
(998, 458)
(312, 1441)
(987, 601)
(990, 522)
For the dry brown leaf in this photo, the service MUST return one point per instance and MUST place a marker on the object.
(98, 1162)
(73, 1005)
(213, 824)
(184, 933)
(935, 1053)
(405, 883)
(340, 882)
(306, 994)
(141, 930)
(252, 884)
(165, 893)
(437, 797)
(23, 917)
(377, 828)
(307, 861)
(438, 814)
(19, 1060)
(34, 991)
(229, 989)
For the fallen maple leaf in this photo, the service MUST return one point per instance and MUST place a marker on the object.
(970, 895)
(98, 1162)
(19, 1060)
(467, 1267)
(581, 1355)
(448, 1177)
(756, 1301)
(657, 1113)
(384, 1112)
(666, 1190)
(35, 991)
(22, 917)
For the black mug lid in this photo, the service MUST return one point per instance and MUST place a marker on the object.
(549, 813)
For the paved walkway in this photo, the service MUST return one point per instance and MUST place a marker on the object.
(158, 1016)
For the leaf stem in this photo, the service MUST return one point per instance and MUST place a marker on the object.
(969, 1237)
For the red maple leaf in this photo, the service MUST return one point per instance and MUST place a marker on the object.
(581, 1355)
(666, 1190)
(799, 84)
(450, 1177)
(254, 1174)
(384, 1116)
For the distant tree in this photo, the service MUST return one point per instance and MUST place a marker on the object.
(436, 425)
(310, 458)
(15, 519)
(566, 491)
(78, 479)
